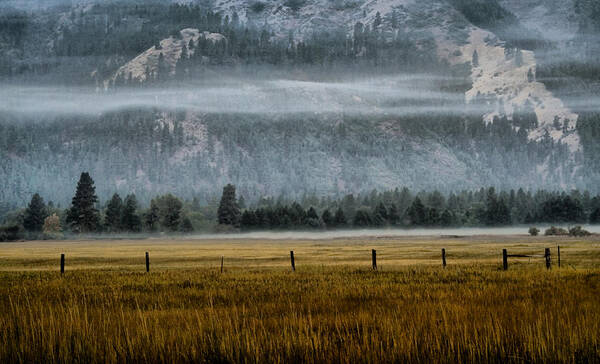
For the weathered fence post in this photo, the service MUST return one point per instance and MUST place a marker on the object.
(444, 257)
(547, 257)
(147, 263)
(504, 259)
(374, 258)
(62, 264)
(222, 257)
(292, 260)
(558, 256)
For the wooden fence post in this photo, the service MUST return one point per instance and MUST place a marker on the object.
(444, 257)
(374, 258)
(62, 264)
(504, 259)
(292, 260)
(547, 257)
(558, 256)
(147, 263)
(222, 257)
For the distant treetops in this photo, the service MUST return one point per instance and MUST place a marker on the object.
(168, 213)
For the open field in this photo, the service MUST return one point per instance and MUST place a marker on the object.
(105, 308)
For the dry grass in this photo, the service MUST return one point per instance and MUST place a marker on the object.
(332, 309)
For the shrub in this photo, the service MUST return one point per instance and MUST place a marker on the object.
(52, 228)
(533, 231)
(555, 231)
(578, 231)
(10, 233)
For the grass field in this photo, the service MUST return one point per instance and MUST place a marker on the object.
(105, 308)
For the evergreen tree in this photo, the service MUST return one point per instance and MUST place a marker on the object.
(595, 216)
(83, 215)
(362, 218)
(393, 215)
(35, 214)
(312, 219)
(170, 212)
(417, 212)
(475, 61)
(377, 21)
(446, 219)
(327, 218)
(229, 211)
(339, 218)
(312, 213)
(248, 219)
(152, 217)
(112, 217)
(380, 215)
(530, 75)
(130, 220)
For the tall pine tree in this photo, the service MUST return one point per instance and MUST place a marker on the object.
(83, 215)
(229, 211)
(35, 214)
(130, 220)
(114, 210)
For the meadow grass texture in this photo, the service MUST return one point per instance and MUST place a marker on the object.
(105, 308)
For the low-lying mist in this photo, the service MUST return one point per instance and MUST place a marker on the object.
(394, 95)
(369, 233)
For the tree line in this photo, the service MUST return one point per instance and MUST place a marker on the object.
(397, 208)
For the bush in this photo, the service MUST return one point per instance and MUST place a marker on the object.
(578, 231)
(52, 228)
(555, 231)
(10, 233)
(533, 231)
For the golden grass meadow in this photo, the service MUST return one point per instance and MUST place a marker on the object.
(333, 308)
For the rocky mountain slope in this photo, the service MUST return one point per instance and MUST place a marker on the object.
(313, 127)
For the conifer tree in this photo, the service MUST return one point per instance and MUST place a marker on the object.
(362, 218)
(340, 218)
(327, 218)
(393, 215)
(229, 211)
(35, 214)
(475, 61)
(170, 212)
(112, 218)
(377, 21)
(595, 216)
(83, 215)
(417, 212)
(130, 220)
(152, 217)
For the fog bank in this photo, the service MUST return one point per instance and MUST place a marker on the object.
(378, 233)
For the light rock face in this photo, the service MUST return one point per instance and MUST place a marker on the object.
(496, 77)
(508, 81)
(146, 63)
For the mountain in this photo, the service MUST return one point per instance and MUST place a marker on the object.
(297, 96)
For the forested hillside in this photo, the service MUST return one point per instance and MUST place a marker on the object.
(294, 98)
